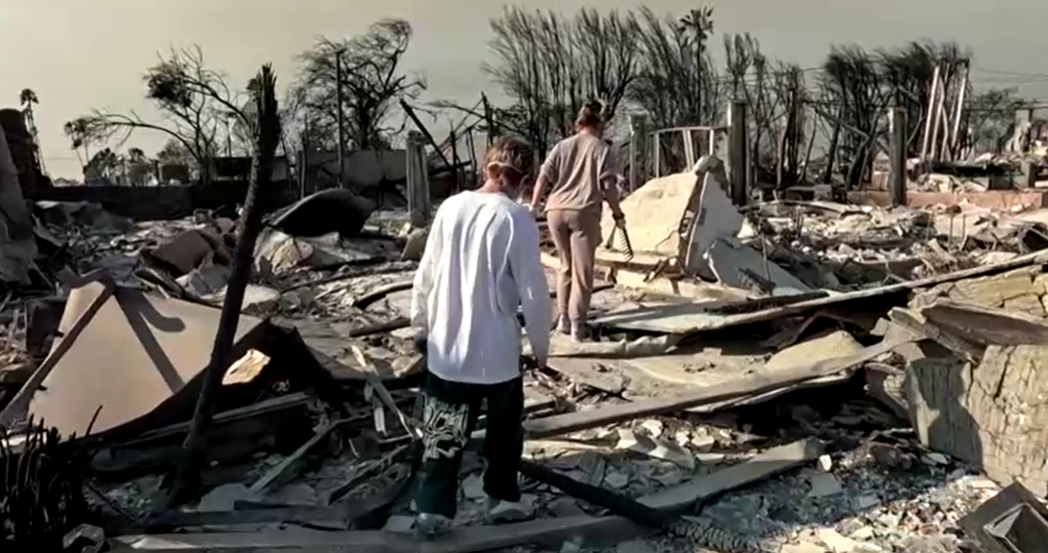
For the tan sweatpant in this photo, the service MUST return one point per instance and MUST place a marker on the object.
(576, 234)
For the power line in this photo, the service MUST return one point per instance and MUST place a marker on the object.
(1008, 73)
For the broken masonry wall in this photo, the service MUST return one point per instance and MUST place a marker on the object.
(991, 410)
(154, 203)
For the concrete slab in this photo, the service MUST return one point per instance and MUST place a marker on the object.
(138, 352)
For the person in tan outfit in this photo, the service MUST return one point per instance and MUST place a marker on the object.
(581, 173)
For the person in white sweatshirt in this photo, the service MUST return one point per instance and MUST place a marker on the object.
(480, 265)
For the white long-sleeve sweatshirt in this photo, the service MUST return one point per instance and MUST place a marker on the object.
(481, 262)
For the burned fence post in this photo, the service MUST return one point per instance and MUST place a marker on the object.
(737, 159)
(897, 127)
(341, 121)
(417, 180)
(194, 449)
(638, 150)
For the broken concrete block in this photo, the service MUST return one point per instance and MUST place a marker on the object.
(188, 250)
(473, 487)
(653, 426)
(992, 291)
(826, 346)
(205, 280)
(988, 414)
(824, 484)
(277, 253)
(415, 244)
(617, 480)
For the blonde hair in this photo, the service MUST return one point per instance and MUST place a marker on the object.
(591, 115)
(510, 152)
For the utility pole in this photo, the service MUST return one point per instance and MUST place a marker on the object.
(341, 121)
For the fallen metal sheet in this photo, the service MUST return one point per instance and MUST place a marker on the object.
(1010, 522)
(738, 265)
(686, 318)
(137, 353)
(683, 373)
(334, 210)
(982, 325)
(748, 385)
(329, 344)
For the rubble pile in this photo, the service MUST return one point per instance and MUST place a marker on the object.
(841, 247)
(808, 377)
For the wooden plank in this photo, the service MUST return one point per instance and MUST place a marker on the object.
(291, 401)
(616, 503)
(752, 384)
(290, 465)
(383, 394)
(340, 516)
(768, 463)
(689, 318)
(550, 532)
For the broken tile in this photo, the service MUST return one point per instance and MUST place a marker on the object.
(825, 463)
(824, 484)
(703, 443)
(653, 426)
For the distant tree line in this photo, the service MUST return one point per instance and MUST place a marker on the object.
(548, 63)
